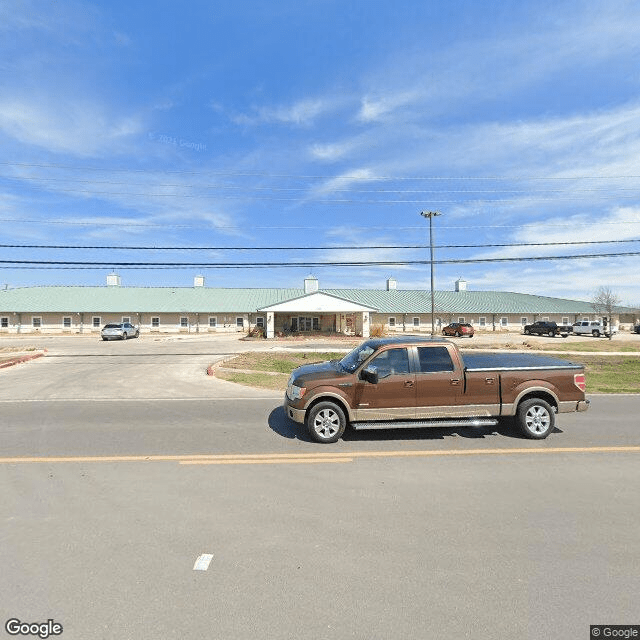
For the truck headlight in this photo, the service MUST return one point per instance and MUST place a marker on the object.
(294, 392)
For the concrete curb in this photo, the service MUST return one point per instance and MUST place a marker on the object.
(20, 359)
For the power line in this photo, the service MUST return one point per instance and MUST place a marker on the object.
(266, 174)
(136, 225)
(238, 187)
(318, 200)
(308, 264)
(314, 248)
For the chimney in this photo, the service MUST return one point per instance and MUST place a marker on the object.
(198, 281)
(113, 280)
(461, 285)
(310, 284)
(392, 284)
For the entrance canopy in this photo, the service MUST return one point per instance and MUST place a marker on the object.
(318, 303)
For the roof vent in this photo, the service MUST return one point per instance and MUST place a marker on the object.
(198, 281)
(113, 280)
(392, 284)
(310, 284)
(461, 285)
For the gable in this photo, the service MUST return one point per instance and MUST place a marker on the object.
(318, 302)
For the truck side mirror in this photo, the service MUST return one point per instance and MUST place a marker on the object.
(370, 374)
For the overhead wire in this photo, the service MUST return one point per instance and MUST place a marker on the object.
(309, 263)
(313, 248)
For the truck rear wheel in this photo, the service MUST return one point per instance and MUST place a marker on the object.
(550, 334)
(596, 333)
(326, 422)
(536, 418)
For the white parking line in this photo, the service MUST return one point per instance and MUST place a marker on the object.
(203, 561)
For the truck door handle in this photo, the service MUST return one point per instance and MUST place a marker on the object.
(455, 381)
(408, 384)
(489, 380)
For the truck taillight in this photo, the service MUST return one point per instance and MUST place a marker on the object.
(579, 381)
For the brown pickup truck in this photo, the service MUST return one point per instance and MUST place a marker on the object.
(420, 382)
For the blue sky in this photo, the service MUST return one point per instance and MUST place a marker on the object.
(323, 124)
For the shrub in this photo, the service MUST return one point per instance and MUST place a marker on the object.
(376, 331)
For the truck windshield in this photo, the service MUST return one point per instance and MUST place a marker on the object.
(353, 359)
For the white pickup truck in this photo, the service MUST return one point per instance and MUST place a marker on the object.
(594, 328)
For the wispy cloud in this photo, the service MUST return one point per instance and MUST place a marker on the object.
(301, 113)
(77, 127)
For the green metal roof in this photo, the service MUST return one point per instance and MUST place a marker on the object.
(140, 299)
(118, 299)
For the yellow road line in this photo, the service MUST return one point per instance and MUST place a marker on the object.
(236, 458)
(301, 460)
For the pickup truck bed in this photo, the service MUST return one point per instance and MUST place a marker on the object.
(514, 362)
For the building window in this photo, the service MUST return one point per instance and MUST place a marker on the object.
(545, 318)
(585, 319)
(239, 322)
(524, 321)
(184, 322)
(96, 321)
(461, 319)
(66, 322)
(294, 324)
(213, 322)
(260, 322)
(392, 321)
(416, 322)
(565, 320)
(504, 322)
(4, 323)
(482, 321)
(126, 319)
(155, 322)
(36, 321)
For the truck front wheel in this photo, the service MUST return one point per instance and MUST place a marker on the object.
(536, 418)
(326, 422)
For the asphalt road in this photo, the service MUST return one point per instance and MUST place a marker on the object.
(122, 463)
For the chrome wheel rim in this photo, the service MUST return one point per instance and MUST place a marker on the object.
(326, 423)
(538, 419)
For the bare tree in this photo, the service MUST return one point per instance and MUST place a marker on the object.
(604, 302)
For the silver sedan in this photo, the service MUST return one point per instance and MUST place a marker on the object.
(120, 331)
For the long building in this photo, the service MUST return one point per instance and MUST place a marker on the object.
(201, 309)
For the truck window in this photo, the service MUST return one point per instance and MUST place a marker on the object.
(433, 359)
(392, 362)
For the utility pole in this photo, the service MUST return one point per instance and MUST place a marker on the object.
(431, 215)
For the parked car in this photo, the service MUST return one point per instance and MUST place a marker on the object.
(414, 382)
(595, 329)
(546, 328)
(120, 331)
(458, 329)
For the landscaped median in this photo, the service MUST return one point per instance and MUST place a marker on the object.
(267, 370)
(605, 373)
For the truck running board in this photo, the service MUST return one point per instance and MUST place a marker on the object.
(417, 424)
